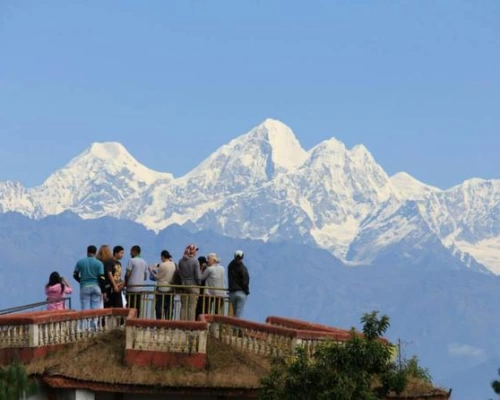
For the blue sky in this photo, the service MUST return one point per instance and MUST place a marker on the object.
(417, 82)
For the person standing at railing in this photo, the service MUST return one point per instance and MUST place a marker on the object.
(55, 290)
(135, 277)
(202, 302)
(104, 255)
(214, 284)
(89, 272)
(238, 282)
(164, 273)
(189, 271)
(114, 282)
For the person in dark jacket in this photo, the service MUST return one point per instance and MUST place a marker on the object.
(238, 282)
(202, 303)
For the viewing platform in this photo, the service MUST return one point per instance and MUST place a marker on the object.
(112, 354)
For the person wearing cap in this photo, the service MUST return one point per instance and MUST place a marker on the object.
(190, 273)
(238, 282)
(164, 276)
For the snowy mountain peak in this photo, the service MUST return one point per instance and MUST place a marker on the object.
(286, 151)
(115, 158)
(273, 125)
(264, 185)
(330, 145)
(257, 156)
(95, 182)
(409, 188)
(361, 152)
(107, 150)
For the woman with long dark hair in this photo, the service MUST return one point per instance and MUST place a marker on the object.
(55, 290)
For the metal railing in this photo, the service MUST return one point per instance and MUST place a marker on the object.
(169, 302)
(177, 302)
(37, 306)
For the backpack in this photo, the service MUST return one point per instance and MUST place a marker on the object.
(151, 276)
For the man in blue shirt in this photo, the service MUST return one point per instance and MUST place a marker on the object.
(89, 272)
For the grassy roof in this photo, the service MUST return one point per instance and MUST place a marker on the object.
(101, 360)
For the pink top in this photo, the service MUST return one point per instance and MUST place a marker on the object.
(54, 293)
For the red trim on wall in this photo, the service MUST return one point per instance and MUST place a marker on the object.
(144, 358)
(60, 382)
(27, 354)
(302, 325)
(41, 317)
(188, 325)
(245, 324)
(305, 328)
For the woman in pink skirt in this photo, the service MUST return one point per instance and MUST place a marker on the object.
(55, 291)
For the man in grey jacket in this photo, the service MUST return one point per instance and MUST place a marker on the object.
(190, 273)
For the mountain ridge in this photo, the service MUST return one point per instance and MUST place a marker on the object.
(263, 185)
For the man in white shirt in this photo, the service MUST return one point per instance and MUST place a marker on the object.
(135, 277)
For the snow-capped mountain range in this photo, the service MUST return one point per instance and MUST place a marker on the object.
(264, 185)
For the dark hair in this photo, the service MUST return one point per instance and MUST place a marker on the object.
(136, 249)
(165, 254)
(54, 279)
(202, 260)
(91, 249)
(117, 249)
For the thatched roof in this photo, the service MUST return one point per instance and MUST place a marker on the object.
(97, 364)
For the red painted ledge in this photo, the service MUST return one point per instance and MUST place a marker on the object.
(144, 358)
(26, 354)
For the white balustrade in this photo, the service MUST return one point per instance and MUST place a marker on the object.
(43, 331)
(165, 339)
(14, 335)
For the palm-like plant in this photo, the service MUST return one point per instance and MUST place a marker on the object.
(15, 383)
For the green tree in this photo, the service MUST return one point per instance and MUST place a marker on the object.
(413, 369)
(495, 385)
(15, 383)
(358, 369)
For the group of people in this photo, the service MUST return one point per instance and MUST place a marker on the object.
(198, 281)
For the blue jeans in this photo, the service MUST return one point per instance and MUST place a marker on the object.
(90, 297)
(238, 299)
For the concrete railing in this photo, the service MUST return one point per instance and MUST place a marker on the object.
(166, 343)
(268, 339)
(158, 342)
(250, 336)
(302, 325)
(30, 335)
(306, 330)
(169, 336)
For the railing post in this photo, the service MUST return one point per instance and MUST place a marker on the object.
(33, 335)
(129, 337)
(214, 329)
(202, 342)
(296, 342)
